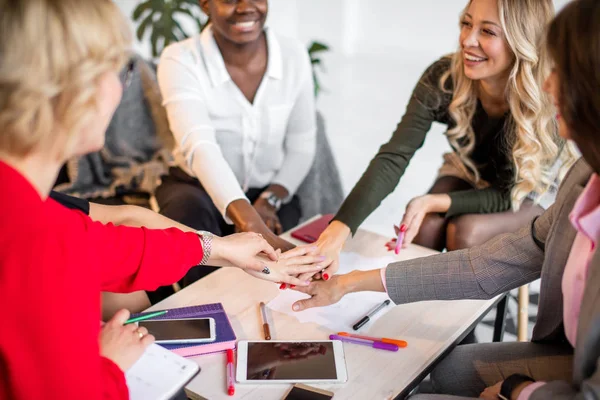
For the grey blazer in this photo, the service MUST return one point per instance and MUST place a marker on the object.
(512, 260)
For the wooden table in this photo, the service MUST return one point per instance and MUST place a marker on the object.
(430, 328)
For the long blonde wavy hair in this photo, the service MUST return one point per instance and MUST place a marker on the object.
(52, 54)
(532, 127)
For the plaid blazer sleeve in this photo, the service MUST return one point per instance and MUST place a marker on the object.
(482, 272)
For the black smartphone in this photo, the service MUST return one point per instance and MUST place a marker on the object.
(304, 392)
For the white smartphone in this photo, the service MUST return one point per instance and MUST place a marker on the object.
(291, 361)
(190, 330)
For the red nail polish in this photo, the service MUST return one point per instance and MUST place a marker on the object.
(326, 277)
(403, 228)
(292, 286)
(282, 287)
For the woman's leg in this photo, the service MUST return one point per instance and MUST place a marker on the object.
(471, 230)
(433, 229)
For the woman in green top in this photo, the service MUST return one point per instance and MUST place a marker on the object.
(500, 125)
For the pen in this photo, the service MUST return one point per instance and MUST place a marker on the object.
(145, 317)
(399, 343)
(400, 239)
(368, 317)
(230, 382)
(266, 329)
(375, 345)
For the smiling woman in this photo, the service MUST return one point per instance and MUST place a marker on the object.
(240, 103)
(500, 126)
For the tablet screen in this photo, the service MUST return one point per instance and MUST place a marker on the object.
(291, 361)
(178, 329)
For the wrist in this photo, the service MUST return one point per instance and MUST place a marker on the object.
(336, 233)
(438, 203)
(512, 386)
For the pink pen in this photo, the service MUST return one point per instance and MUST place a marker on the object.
(400, 239)
(230, 382)
(371, 343)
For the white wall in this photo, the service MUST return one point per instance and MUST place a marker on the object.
(355, 27)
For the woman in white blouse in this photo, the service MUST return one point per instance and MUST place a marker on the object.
(240, 103)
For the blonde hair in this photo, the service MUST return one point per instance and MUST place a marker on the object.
(531, 129)
(52, 53)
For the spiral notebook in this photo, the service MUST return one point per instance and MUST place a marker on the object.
(225, 336)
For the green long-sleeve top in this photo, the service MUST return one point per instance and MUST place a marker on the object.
(428, 104)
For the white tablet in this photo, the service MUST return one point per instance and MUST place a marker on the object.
(291, 361)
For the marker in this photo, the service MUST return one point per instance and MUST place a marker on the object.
(399, 343)
(368, 317)
(375, 345)
(400, 239)
(266, 329)
(145, 317)
(230, 381)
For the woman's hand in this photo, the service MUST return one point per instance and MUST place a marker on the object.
(269, 215)
(301, 260)
(242, 250)
(123, 344)
(416, 211)
(323, 293)
(330, 245)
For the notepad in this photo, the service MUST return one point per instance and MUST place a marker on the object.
(225, 337)
(159, 374)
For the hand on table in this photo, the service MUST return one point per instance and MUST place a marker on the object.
(323, 293)
(123, 344)
(298, 261)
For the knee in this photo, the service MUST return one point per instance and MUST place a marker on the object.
(462, 233)
(431, 227)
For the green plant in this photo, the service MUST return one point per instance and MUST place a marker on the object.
(314, 51)
(162, 18)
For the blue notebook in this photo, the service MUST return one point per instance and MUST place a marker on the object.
(225, 336)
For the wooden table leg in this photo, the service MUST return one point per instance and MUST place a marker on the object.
(523, 318)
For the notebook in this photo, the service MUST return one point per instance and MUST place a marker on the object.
(159, 374)
(225, 336)
(310, 232)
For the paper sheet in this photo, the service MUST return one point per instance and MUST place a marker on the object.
(350, 309)
(158, 374)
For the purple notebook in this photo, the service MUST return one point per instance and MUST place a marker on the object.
(225, 335)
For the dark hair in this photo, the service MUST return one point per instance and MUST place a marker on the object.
(574, 44)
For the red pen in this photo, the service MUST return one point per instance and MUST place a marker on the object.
(230, 381)
(400, 239)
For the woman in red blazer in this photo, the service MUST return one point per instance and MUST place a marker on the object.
(59, 86)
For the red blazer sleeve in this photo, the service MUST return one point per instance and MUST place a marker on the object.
(140, 258)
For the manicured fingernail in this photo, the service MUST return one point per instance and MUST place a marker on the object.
(283, 286)
(403, 228)
(326, 277)
(296, 307)
(292, 286)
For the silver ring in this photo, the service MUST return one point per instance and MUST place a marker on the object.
(266, 270)
(260, 235)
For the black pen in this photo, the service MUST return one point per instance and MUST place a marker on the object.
(367, 318)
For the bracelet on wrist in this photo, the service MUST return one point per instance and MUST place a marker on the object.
(511, 383)
(206, 239)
